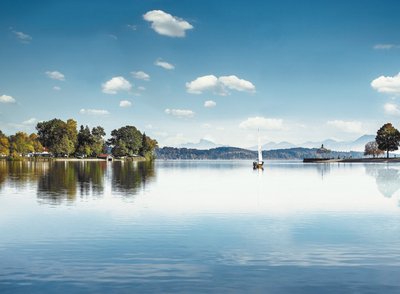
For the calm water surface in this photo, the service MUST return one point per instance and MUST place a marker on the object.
(199, 227)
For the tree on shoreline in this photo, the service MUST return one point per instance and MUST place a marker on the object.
(58, 136)
(371, 148)
(4, 145)
(126, 141)
(388, 138)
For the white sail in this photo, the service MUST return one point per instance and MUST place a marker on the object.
(259, 151)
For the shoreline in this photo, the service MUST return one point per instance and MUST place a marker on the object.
(352, 160)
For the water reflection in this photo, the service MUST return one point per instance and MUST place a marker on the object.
(387, 178)
(57, 182)
(129, 177)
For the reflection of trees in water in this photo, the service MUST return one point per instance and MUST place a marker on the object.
(129, 177)
(64, 179)
(387, 178)
(21, 173)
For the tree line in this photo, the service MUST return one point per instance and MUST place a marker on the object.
(387, 139)
(63, 139)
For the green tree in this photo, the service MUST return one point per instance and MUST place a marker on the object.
(4, 145)
(85, 141)
(148, 146)
(98, 140)
(20, 144)
(388, 138)
(58, 136)
(37, 146)
(126, 141)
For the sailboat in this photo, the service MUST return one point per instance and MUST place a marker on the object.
(259, 163)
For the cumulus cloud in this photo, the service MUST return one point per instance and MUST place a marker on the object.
(125, 103)
(141, 88)
(209, 104)
(262, 123)
(180, 112)
(94, 111)
(164, 64)
(389, 85)
(140, 75)
(55, 75)
(22, 37)
(115, 85)
(347, 126)
(219, 85)
(56, 88)
(7, 99)
(166, 24)
(391, 109)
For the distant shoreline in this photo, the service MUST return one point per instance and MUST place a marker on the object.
(352, 160)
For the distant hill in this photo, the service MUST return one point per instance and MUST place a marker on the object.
(239, 153)
(203, 144)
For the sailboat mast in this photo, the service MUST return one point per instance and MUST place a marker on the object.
(259, 148)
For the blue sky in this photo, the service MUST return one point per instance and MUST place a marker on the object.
(297, 70)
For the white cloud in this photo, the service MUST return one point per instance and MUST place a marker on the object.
(180, 112)
(234, 83)
(347, 126)
(22, 37)
(141, 88)
(94, 111)
(385, 46)
(262, 123)
(390, 85)
(164, 64)
(131, 27)
(125, 103)
(6, 99)
(56, 88)
(209, 104)
(30, 122)
(166, 24)
(391, 109)
(115, 85)
(55, 75)
(140, 75)
(219, 86)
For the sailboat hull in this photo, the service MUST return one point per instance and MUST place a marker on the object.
(258, 165)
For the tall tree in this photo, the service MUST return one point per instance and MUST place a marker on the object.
(126, 141)
(148, 146)
(85, 141)
(371, 148)
(20, 144)
(388, 138)
(58, 136)
(98, 134)
(37, 146)
(4, 145)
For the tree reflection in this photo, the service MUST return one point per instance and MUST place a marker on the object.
(21, 173)
(130, 177)
(64, 180)
(387, 178)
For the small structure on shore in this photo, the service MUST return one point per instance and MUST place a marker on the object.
(107, 157)
(323, 151)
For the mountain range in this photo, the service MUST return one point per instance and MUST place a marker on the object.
(356, 145)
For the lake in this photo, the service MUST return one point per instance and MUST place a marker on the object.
(199, 227)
